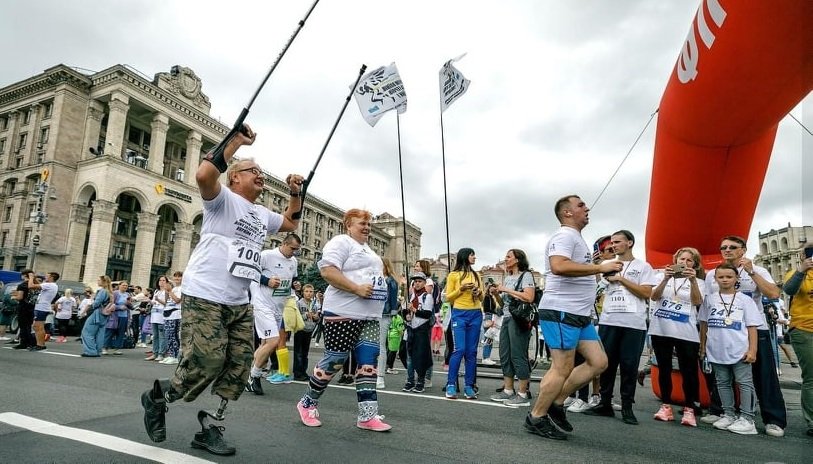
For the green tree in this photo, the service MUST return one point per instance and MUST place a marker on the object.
(312, 276)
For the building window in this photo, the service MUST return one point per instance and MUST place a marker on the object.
(2, 146)
(26, 117)
(22, 141)
(4, 123)
(18, 162)
(11, 184)
(44, 132)
(3, 239)
(27, 237)
(7, 214)
(138, 140)
(48, 109)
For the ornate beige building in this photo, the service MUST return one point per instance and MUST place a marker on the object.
(98, 176)
(779, 249)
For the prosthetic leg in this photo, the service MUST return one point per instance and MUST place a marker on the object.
(210, 436)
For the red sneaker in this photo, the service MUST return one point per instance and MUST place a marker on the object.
(688, 418)
(376, 424)
(665, 413)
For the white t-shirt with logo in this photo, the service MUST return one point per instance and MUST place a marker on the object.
(622, 308)
(359, 263)
(65, 305)
(746, 286)
(171, 304)
(574, 295)
(47, 294)
(728, 321)
(265, 298)
(673, 315)
(157, 312)
(227, 258)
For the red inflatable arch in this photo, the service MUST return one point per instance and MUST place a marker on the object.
(743, 67)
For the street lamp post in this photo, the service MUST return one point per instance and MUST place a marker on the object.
(38, 216)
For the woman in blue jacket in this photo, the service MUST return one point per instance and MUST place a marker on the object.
(94, 330)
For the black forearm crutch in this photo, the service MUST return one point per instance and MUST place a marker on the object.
(216, 155)
(307, 181)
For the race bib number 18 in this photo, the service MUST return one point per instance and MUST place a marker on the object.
(244, 260)
(379, 288)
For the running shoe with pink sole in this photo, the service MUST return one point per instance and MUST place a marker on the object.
(376, 424)
(309, 416)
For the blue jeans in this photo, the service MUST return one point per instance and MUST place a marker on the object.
(159, 340)
(93, 333)
(114, 338)
(465, 326)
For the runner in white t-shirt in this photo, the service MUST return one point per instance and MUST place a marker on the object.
(217, 334)
(279, 269)
(352, 309)
(674, 328)
(622, 326)
(728, 338)
(564, 319)
(756, 282)
(42, 308)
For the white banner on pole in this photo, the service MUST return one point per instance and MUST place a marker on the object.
(452, 83)
(379, 91)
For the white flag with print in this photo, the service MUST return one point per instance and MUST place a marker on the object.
(379, 91)
(452, 83)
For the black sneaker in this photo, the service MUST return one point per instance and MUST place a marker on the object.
(301, 378)
(155, 408)
(543, 427)
(628, 416)
(346, 380)
(408, 387)
(558, 416)
(601, 409)
(20, 347)
(254, 386)
(211, 439)
(419, 388)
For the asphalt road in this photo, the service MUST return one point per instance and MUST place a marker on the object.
(92, 414)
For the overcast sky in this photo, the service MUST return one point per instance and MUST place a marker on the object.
(559, 92)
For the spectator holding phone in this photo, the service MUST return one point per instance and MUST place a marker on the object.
(673, 327)
(799, 286)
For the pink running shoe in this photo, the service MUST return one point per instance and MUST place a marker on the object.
(309, 416)
(688, 418)
(664, 413)
(376, 424)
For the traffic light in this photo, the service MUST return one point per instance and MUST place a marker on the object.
(35, 240)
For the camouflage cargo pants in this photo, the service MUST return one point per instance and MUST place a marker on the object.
(217, 347)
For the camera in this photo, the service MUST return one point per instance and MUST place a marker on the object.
(678, 269)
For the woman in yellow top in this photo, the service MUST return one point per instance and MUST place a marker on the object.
(464, 293)
(799, 286)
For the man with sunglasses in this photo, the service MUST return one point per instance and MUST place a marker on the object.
(217, 341)
(268, 297)
(756, 282)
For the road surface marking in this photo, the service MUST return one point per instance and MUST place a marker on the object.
(419, 395)
(58, 353)
(119, 445)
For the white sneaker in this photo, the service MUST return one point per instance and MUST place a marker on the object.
(379, 384)
(616, 406)
(568, 401)
(724, 422)
(709, 418)
(4, 338)
(428, 383)
(594, 400)
(316, 344)
(578, 406)
(742, 426)
(489, 362)
(774, 430)
(171, 360)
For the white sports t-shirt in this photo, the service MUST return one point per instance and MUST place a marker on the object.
(746, 286)
(157, 312)
(622, 308)
(65, 307)
(574, 295)
(171, 304)
(673, 315)
(227, 258)
(728, 321)
(46, 296)
(265, 298)
(359, 263)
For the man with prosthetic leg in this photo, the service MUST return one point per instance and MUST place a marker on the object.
(216, 327)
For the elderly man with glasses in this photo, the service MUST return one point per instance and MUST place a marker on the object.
(756, 282)
(217, 321)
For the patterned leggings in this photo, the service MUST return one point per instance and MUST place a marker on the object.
(171, 328)
(342, 336)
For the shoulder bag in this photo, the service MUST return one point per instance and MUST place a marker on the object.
(524, 314)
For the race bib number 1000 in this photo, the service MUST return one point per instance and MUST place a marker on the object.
(244, 259)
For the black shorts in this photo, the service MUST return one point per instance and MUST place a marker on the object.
(40, 316)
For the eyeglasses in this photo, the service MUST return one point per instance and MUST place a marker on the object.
(730, 247)
(254, 170)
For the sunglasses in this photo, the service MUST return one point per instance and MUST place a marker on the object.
(730, 247)
(255, 171)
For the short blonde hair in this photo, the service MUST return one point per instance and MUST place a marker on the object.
(235, 166)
